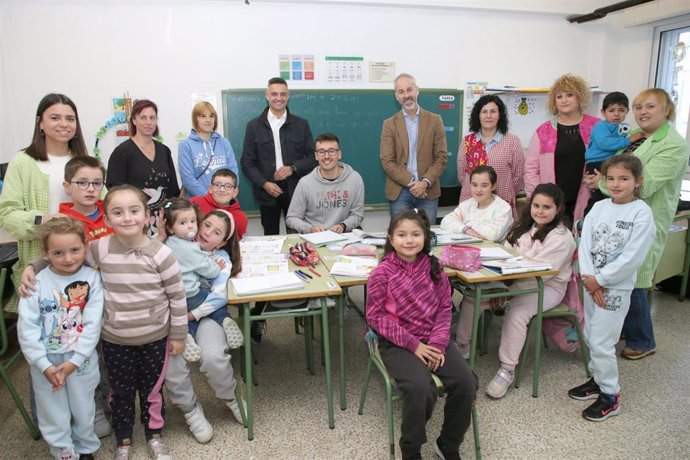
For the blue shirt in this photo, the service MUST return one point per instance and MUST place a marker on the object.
(498, 137)
(412, 132)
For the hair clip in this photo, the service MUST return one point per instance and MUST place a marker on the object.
(167, 205)
(416, 211)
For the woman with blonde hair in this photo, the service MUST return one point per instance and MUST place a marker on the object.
(664, 155)
(556, 152)
(204, 151)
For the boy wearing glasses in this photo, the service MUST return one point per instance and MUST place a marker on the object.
(331, 197)
(84, 178)
(222, 194)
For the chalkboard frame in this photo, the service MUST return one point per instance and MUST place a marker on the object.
(241, 105)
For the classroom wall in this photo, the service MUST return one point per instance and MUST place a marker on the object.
(166, 50)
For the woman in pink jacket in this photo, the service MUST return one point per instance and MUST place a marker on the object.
(557, 150)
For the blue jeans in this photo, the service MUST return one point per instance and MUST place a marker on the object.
(406, 201)
(638, 328)
(193, 302)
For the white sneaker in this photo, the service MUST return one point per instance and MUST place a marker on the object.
(101, 425)
(192, 351)
(157, 449)
(498, 387)
(198, 425)
(123, 452)
(66, 453)
(235, 409)
(233, 334)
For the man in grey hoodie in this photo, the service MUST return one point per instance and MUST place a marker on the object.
(331, 197)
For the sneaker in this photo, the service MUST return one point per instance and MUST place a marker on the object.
(157, 449)
(101, 425)
(235, 409)
(465, 350)
(629, 353)
(66, 453)
(257, 331)
(233, 334)
(588, 390)
(603, 408)
(192, 351)
(198, 425)
(498, 387)
(443, 453)
(123, 452)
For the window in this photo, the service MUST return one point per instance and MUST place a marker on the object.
(672, 70)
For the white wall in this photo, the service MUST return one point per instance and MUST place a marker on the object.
(166, 50)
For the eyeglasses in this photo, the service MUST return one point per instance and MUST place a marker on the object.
(219, 186)
(83, 185)
(329, 152)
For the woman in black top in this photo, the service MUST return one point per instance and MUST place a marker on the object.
(144, 162)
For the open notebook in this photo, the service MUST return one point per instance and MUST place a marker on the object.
(269, 283)
(516, 265)
(323, 238)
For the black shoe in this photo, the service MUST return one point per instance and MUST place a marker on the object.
(257, 331)
(588, 390)
(443, 452)
(604, 407)
(85, 456)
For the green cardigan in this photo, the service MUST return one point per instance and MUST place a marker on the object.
(24, 196)
(664, 158)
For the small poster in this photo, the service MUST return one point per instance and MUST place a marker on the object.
(296, 67)
(522, 105)
(344, 69)
(381, 72)
(122, 107)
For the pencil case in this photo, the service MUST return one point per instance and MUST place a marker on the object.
(461, 257)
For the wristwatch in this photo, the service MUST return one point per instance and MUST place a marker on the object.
(38, 220)
(294, 168)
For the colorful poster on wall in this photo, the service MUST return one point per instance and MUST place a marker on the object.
(344, 69)
(122, 107)
(296, 66)
(522, 105)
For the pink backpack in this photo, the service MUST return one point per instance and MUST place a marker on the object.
(559, 330)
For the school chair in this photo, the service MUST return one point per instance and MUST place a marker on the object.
(559, 311)
(6, 362)
(392, 395)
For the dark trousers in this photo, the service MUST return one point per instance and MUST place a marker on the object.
(595, 195)
(270, 215)
(136, 369)
(419, 395)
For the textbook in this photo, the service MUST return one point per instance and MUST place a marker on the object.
(375, 238)
(323, 238)
(454, 238)
(269, 283)
(516, 265)
(358, 267)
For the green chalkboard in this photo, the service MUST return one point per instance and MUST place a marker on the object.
(356, 117)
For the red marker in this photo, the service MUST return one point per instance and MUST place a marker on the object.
(315, 272)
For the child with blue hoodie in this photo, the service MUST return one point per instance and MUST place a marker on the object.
(608, 136)
(204, 151)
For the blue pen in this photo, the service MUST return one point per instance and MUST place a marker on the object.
(301, 276)
(305, 274)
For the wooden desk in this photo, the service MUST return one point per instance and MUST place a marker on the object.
(317, 287)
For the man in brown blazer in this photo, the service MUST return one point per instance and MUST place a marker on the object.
(412, 181)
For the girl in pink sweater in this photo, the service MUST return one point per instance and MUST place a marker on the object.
(538, 235)
(414, 329)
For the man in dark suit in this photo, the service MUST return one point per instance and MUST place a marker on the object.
(278, 151)
(412, 180)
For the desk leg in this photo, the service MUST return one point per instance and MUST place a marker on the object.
(341, 346)
(686, 265)
(475, 323)
(249, 386)
(309, 342)
(537, 351)
(327, 355)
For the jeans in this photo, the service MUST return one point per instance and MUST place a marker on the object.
(193, 302)
(406, 201)
(638, 328)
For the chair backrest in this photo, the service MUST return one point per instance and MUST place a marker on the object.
(3, 326)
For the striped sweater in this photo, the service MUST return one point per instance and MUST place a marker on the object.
(144, 294)
(406, 307)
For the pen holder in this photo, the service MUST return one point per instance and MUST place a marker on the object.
(461, 257)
